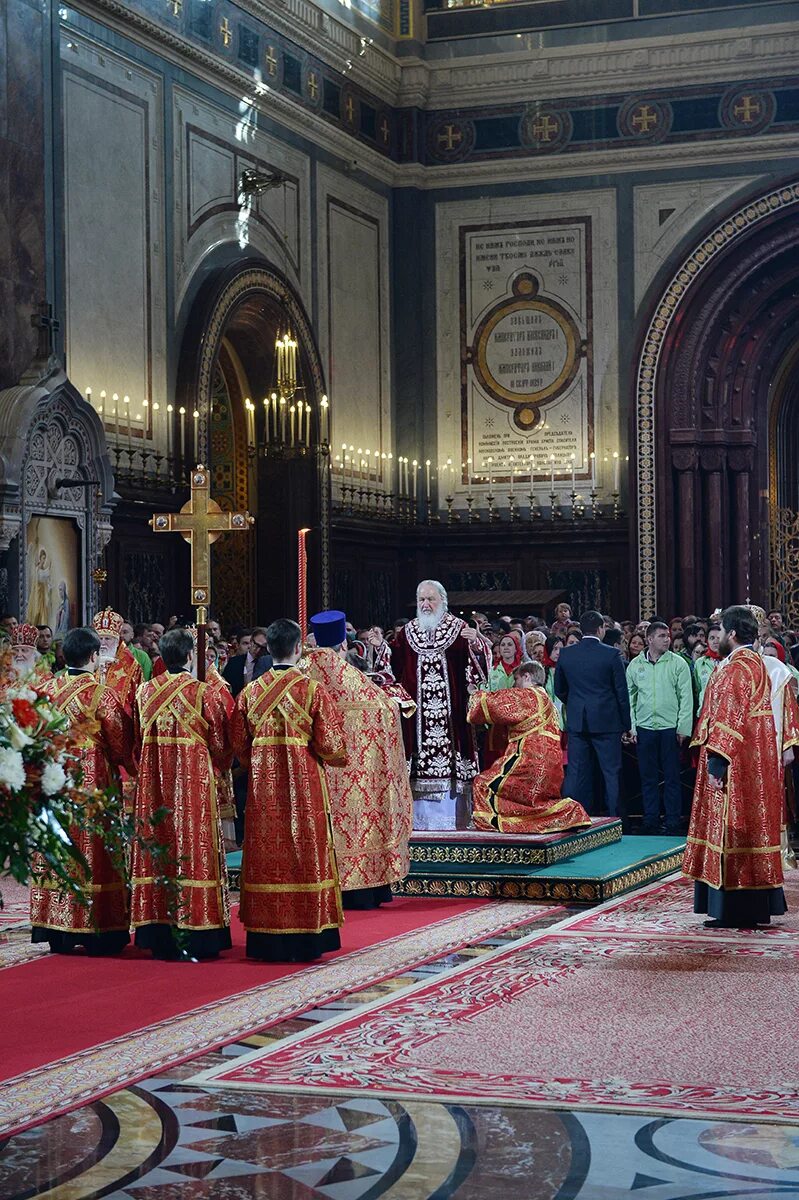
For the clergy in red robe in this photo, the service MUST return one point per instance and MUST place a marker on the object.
(733, 850)
(286, 729)
(183, 735)
(118, 668)
(28, 666)
(521, 792)
(370, 797)
(103, 731)
(439, 659)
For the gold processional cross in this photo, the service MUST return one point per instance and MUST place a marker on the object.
(201, 521)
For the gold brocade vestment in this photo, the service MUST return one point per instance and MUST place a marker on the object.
(371, 802)
(286, 728)
(734, 835)
(125, 676)
(182, 729)
(104, 733)
(521, 792)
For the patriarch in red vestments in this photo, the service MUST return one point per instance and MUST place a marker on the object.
(370, 797)
(183, 735)
(439, 659)
(118, 668)
(285, 729)
(521, 792)
(733, 852)
(27, 664)
(103, 731)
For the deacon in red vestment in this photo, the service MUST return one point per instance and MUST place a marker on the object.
(118, 668)
(733, 850)
(285, 729)
(103, 731)
(439, 659)
(183, 734)
(521, 792)
(370, 797)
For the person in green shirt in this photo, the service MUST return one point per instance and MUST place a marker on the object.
(510, 655)
(662, 710)
(141, 656)
(706, 665)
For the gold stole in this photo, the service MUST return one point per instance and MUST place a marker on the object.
(168, 693)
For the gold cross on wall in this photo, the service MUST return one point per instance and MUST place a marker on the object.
(313, 86)
(385, 129)
(226, 31)
(350, 109)
(201, 521)
(544, 127)
(645, 119)
(271, 61)
(176, 6)
(449, 137)
(747, 108)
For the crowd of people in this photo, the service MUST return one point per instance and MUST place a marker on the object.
(308, 753)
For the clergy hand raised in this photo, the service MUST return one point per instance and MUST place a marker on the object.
(471, 635)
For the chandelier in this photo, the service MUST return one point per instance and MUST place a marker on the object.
(286, 366)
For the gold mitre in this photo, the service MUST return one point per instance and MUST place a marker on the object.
(757, 612)
(108, 621)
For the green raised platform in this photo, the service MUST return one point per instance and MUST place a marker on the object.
(234, 870)
(581, 878)
(473, 848)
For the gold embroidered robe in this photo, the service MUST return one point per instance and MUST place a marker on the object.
(734, 835)
(285, 729)
(125, 676)
(183, 735)
(521, 792)
(371, 802)
(104, 732)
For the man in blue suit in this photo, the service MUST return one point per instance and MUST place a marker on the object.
(590, 681)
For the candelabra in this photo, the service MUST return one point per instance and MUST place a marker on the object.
(573, 497)
(555, 512)
(511, 507)
(535, 511)
(616, 509)
(492, 514)
(594, 505)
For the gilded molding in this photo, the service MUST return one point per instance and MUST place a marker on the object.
(527, 856)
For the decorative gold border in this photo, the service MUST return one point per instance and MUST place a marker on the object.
(544, 891)
(721, 237)
(527, 856)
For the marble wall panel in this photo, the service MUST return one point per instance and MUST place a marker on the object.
(211, 149)
(113, 221)
(666, 212)
(354, 316)
(520, 235)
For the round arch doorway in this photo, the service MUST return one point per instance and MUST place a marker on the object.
(717, 344)
(228, 358)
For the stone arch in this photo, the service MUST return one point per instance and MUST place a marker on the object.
(701, 409)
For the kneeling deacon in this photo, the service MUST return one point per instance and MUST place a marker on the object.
(521, 792)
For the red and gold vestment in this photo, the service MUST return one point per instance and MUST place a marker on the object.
(183, 735)
(125, 676)
(521, 792)
(104, 733)
(370, 798)
(734, 835)
(285, 729)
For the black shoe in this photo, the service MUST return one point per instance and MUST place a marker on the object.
(713, 924)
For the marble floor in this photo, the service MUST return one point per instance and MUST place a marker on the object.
(166, 1139)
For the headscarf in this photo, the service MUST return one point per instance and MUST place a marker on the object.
(517, 658)
(778, 646)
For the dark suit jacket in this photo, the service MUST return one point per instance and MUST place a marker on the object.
(590, 681)
(234, 670)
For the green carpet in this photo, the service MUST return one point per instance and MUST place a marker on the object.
(586, 878)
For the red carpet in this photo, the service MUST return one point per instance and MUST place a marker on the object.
(56, 1006)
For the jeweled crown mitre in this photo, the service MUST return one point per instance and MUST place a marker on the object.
(24, 635)
(108, 621)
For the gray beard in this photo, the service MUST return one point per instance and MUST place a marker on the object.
(430, 621)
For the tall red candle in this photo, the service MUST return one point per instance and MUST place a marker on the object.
(302, 574)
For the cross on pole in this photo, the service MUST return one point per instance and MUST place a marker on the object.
(201, 521)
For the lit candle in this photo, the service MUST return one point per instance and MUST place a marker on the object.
(88, 395)
(283, 419)
(292, 411)
(532, 471)
(275, 434)
(415, 466)
(367, 464)
(552, 466)
(307, 424)
(352, 464)
(115, 398)
(389, 473)
(512, 472)
(182, 415)
(196, 447)
(490, 474)
(616, 470)
(300, 422)
(126, 402)
(427, 479)
(156, 428)
(169, 411)
(250, 407)
(593, 471)
(102, 402)
(469, 477)
(573, 483)
(324, 405)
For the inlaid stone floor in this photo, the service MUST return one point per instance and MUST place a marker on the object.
(165, 1139)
